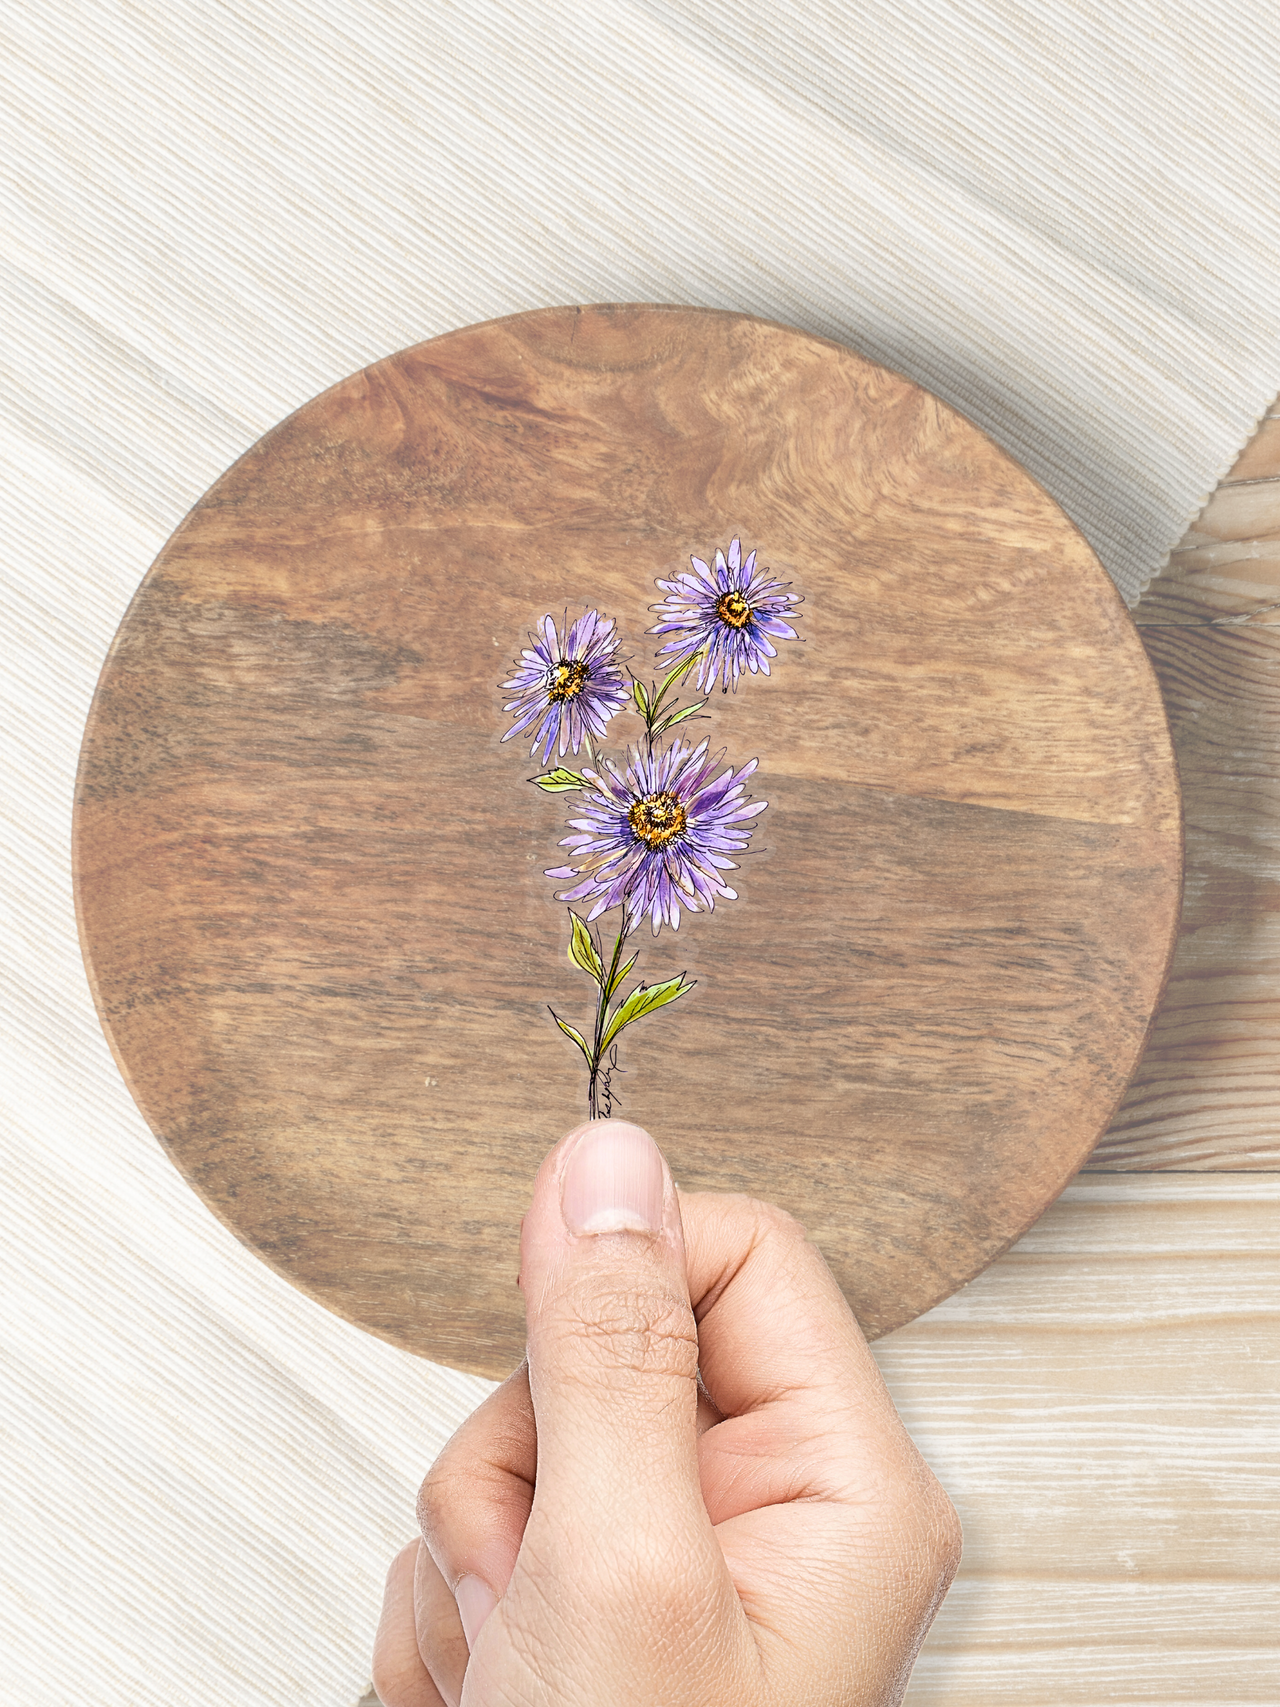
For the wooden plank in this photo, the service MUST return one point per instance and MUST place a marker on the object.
(1224, 581)
(1207, 1090)
(1102, 1406)
(1246, 510)
(1227, 566)
(1260, 458)
(1072, 1674)
(1080, 1644)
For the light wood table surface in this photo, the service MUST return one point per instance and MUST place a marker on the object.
(1102, 1403)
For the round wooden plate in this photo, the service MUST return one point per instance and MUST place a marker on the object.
(310, 875)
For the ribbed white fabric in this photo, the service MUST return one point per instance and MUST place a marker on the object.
(1062, 216)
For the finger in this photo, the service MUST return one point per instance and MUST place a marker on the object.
(812, 1467)
(441, 1640)
(400, 1678)
(783, 1358)
(620, 1558)
(613, 1350)
(474, 1503)
(774, 1316)
(709, 1413)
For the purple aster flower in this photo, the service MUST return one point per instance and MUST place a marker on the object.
(659, 835)
(732, 611)
(569, 690)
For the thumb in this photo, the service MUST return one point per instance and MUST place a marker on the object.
(613, 1345)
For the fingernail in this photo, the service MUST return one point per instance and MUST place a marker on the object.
(476, 1600)
(613, 1181)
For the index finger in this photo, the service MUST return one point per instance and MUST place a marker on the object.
(777, 1342)
(838, 1539)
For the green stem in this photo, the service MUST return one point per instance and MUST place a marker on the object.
(674, 678)
(602, 1010)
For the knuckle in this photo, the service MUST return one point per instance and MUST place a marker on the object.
(660, 1584)
(771, 1219)
(948, 1535)
(394, 1681)
(642, 1331)
(647, 1579)
(442, 1487)
(928, 1525)
(767, 1222)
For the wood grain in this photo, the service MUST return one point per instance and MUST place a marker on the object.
(1207, 1092)
(1102, 1405)
(309, 874)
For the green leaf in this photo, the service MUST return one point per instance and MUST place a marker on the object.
(582, 951)
(620, 975)
(577, 1036)
(641, 698)
(681, 669)
(644, 1001)
(679, 716)
(559, 781)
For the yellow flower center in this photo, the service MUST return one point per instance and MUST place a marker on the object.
(566, 679)
(733, 609)
(657, 819)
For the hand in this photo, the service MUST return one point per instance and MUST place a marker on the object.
(604, 1530)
